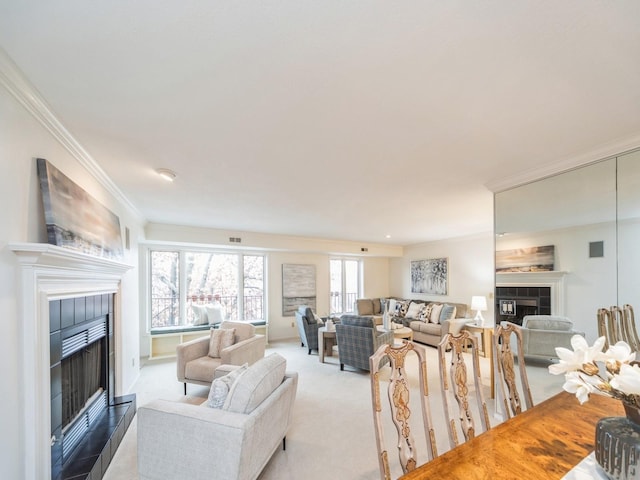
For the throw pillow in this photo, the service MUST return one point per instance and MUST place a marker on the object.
(220, 386)
(220, 339)
(199, 315)
(402, 308)
(414, 309)
(425, 313)
(435, 313)
(391, 306)
(318, 319)
(448, 312)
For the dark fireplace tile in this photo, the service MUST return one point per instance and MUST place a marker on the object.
(97, 306)
(56, 412)
(105, 304)
(533, 291)
(67, 309)
(56, 380)
(55, 347)
(54, 315)
(545, 302)
(80, 305)
(89, 308)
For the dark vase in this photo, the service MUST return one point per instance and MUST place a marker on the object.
(618, 445)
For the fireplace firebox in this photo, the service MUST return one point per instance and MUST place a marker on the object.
(87, 420)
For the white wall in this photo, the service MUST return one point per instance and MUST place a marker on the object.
(471, 270)
(590, 283)
(22, 139)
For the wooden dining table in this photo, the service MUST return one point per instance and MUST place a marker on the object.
(544, 442)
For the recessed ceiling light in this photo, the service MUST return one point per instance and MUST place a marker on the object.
(387, 236)
(168, 175)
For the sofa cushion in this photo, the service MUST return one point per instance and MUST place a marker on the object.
(414, 310)
(377, 306)
(448, 312)
(547, 322)
(220, 387)
(428, 328)
(364, 306)
(220, 339)
(425, 313)
(435, 313)
(200, 369)
(256, 384)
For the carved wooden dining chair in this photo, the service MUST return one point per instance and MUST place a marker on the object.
(629, 327)
(398, 392)
(609, 326)
(455, 383)
(511, 389)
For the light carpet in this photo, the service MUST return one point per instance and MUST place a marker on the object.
(332, 435)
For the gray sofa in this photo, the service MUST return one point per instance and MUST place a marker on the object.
(423, 332)
(541, 334)
(196, 442)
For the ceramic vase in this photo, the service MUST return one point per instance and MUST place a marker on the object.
(618, 445)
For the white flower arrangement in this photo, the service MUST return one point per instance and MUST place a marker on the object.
(588, 370)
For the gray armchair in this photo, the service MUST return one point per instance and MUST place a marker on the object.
(307, 327)
(358, 339)
(541, 334)
(194, 365)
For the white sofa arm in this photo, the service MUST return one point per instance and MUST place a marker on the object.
(187, 351)
(250, 351)
(179, 440)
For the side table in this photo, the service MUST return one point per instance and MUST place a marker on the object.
(326, 342)
(485, 346)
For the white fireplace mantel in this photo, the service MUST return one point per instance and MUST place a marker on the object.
(48, 272)
(553, 279)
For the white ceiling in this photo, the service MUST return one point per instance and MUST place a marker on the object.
(337, 119)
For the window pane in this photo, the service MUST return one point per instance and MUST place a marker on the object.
(165, 289)
(253, 287)
(335, 272)
(351, 285)
(210, 274)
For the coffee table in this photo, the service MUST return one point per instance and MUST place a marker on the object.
(399, 333)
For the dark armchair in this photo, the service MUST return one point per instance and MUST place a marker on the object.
(358, 339)
(307, 327)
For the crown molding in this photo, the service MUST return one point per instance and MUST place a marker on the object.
(603, 152)
(21, 89)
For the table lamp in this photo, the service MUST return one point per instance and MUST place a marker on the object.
(479, 303)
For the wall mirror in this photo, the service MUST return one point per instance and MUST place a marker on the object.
(591, 218)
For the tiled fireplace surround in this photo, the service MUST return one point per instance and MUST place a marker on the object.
(49, 277)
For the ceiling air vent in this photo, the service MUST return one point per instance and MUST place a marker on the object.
(235, 239)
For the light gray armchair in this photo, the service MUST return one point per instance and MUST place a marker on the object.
(194, 365)
(178, 440)
(541, 334)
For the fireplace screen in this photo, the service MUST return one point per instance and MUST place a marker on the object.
(82, 379)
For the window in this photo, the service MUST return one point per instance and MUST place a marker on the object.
(345, 285)
(181, 280)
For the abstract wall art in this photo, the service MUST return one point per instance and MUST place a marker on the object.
(74, 218)
(429, 276)
(298, 287)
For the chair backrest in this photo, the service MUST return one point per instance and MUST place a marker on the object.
(610, 325)
(456, 397)
(629, 327)
(504, 362)
(398, 394)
